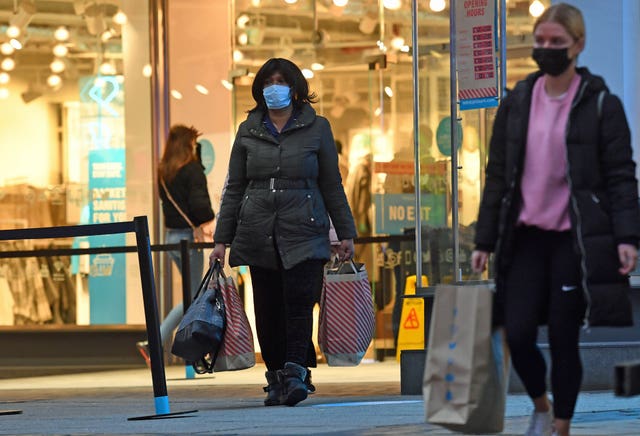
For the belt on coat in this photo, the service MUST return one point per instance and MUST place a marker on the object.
(275, 183)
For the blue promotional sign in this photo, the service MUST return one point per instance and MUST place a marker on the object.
(107, 278)
(396, 212)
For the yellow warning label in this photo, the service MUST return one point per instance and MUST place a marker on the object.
(411, 331)
(412, 321)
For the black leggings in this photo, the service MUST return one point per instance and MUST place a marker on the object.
(283, 303)
(542, 284)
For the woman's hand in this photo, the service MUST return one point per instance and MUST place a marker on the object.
(345, 250)
(217, 254)
(479, 260)
(628, 255)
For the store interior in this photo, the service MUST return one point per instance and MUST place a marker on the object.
(63, 62)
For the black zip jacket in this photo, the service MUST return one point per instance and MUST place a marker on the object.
(189, 190)
(603, 187)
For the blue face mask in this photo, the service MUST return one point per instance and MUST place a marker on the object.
(277, 96)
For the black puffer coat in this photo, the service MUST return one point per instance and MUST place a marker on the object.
(189, 190)
(293, 217)
(604, 191)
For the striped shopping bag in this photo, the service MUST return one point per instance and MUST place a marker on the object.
(346, 322)
(237, 350)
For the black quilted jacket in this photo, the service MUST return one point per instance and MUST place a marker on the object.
(601, 175)
(257, 221)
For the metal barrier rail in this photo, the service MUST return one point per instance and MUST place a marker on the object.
(140, 227)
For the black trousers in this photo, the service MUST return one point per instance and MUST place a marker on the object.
(283, 303)
(543, 284)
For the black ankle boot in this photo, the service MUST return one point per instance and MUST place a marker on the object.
(273, 390)
(293, 385)
(311, 389)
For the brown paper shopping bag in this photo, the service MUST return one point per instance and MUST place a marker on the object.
(467, 366)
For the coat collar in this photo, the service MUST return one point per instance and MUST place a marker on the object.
(303, 117)
(593, 83)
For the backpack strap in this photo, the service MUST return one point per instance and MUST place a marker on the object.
(601, 97)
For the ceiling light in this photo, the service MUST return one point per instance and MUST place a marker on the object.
(437, 5)
(243, 38)
(238, 56)
(388, 91)
(6, 48)
(120, 18)
(60, 50)
(13, 31)
(23, 15)
(35, 90)
(317, 66)
(536, 8)
(255, 3)
(107, 69)
(107, 35)
(340, 3)
(57, 66)
(54, 80)
(242, 21)
(176, 94)
(227, 85)
(147, 70)
(397, 42)
(291, 2)
(392, 4)
(202, 89)
(21, 18)
(94, 18)
(4, 93)
(307, 73)
(61, 33)
(4, 78)
(8, 64)
(16, 44)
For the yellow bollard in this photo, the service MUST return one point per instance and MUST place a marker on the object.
(411, 329)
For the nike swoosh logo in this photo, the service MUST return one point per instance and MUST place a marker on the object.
(566, 288)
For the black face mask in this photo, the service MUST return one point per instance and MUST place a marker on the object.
(552, 61)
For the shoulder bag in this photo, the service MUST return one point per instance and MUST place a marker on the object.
(201, 233)
(201, 331)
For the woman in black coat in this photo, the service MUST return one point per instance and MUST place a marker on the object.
(560, 210)
(283, 185)
(183, 190)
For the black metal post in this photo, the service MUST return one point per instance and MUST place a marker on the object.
(151, 316)
(161, 397)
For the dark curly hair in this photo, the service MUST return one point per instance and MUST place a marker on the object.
(291, 74)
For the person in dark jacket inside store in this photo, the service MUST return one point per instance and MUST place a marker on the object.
(182, 184)
(283, 184)
(560, 210)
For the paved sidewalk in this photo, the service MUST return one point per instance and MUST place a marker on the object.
(363, 400)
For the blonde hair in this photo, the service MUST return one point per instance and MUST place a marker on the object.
(567, 16)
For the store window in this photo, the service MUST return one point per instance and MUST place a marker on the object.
(357, 56)
(63, 79)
